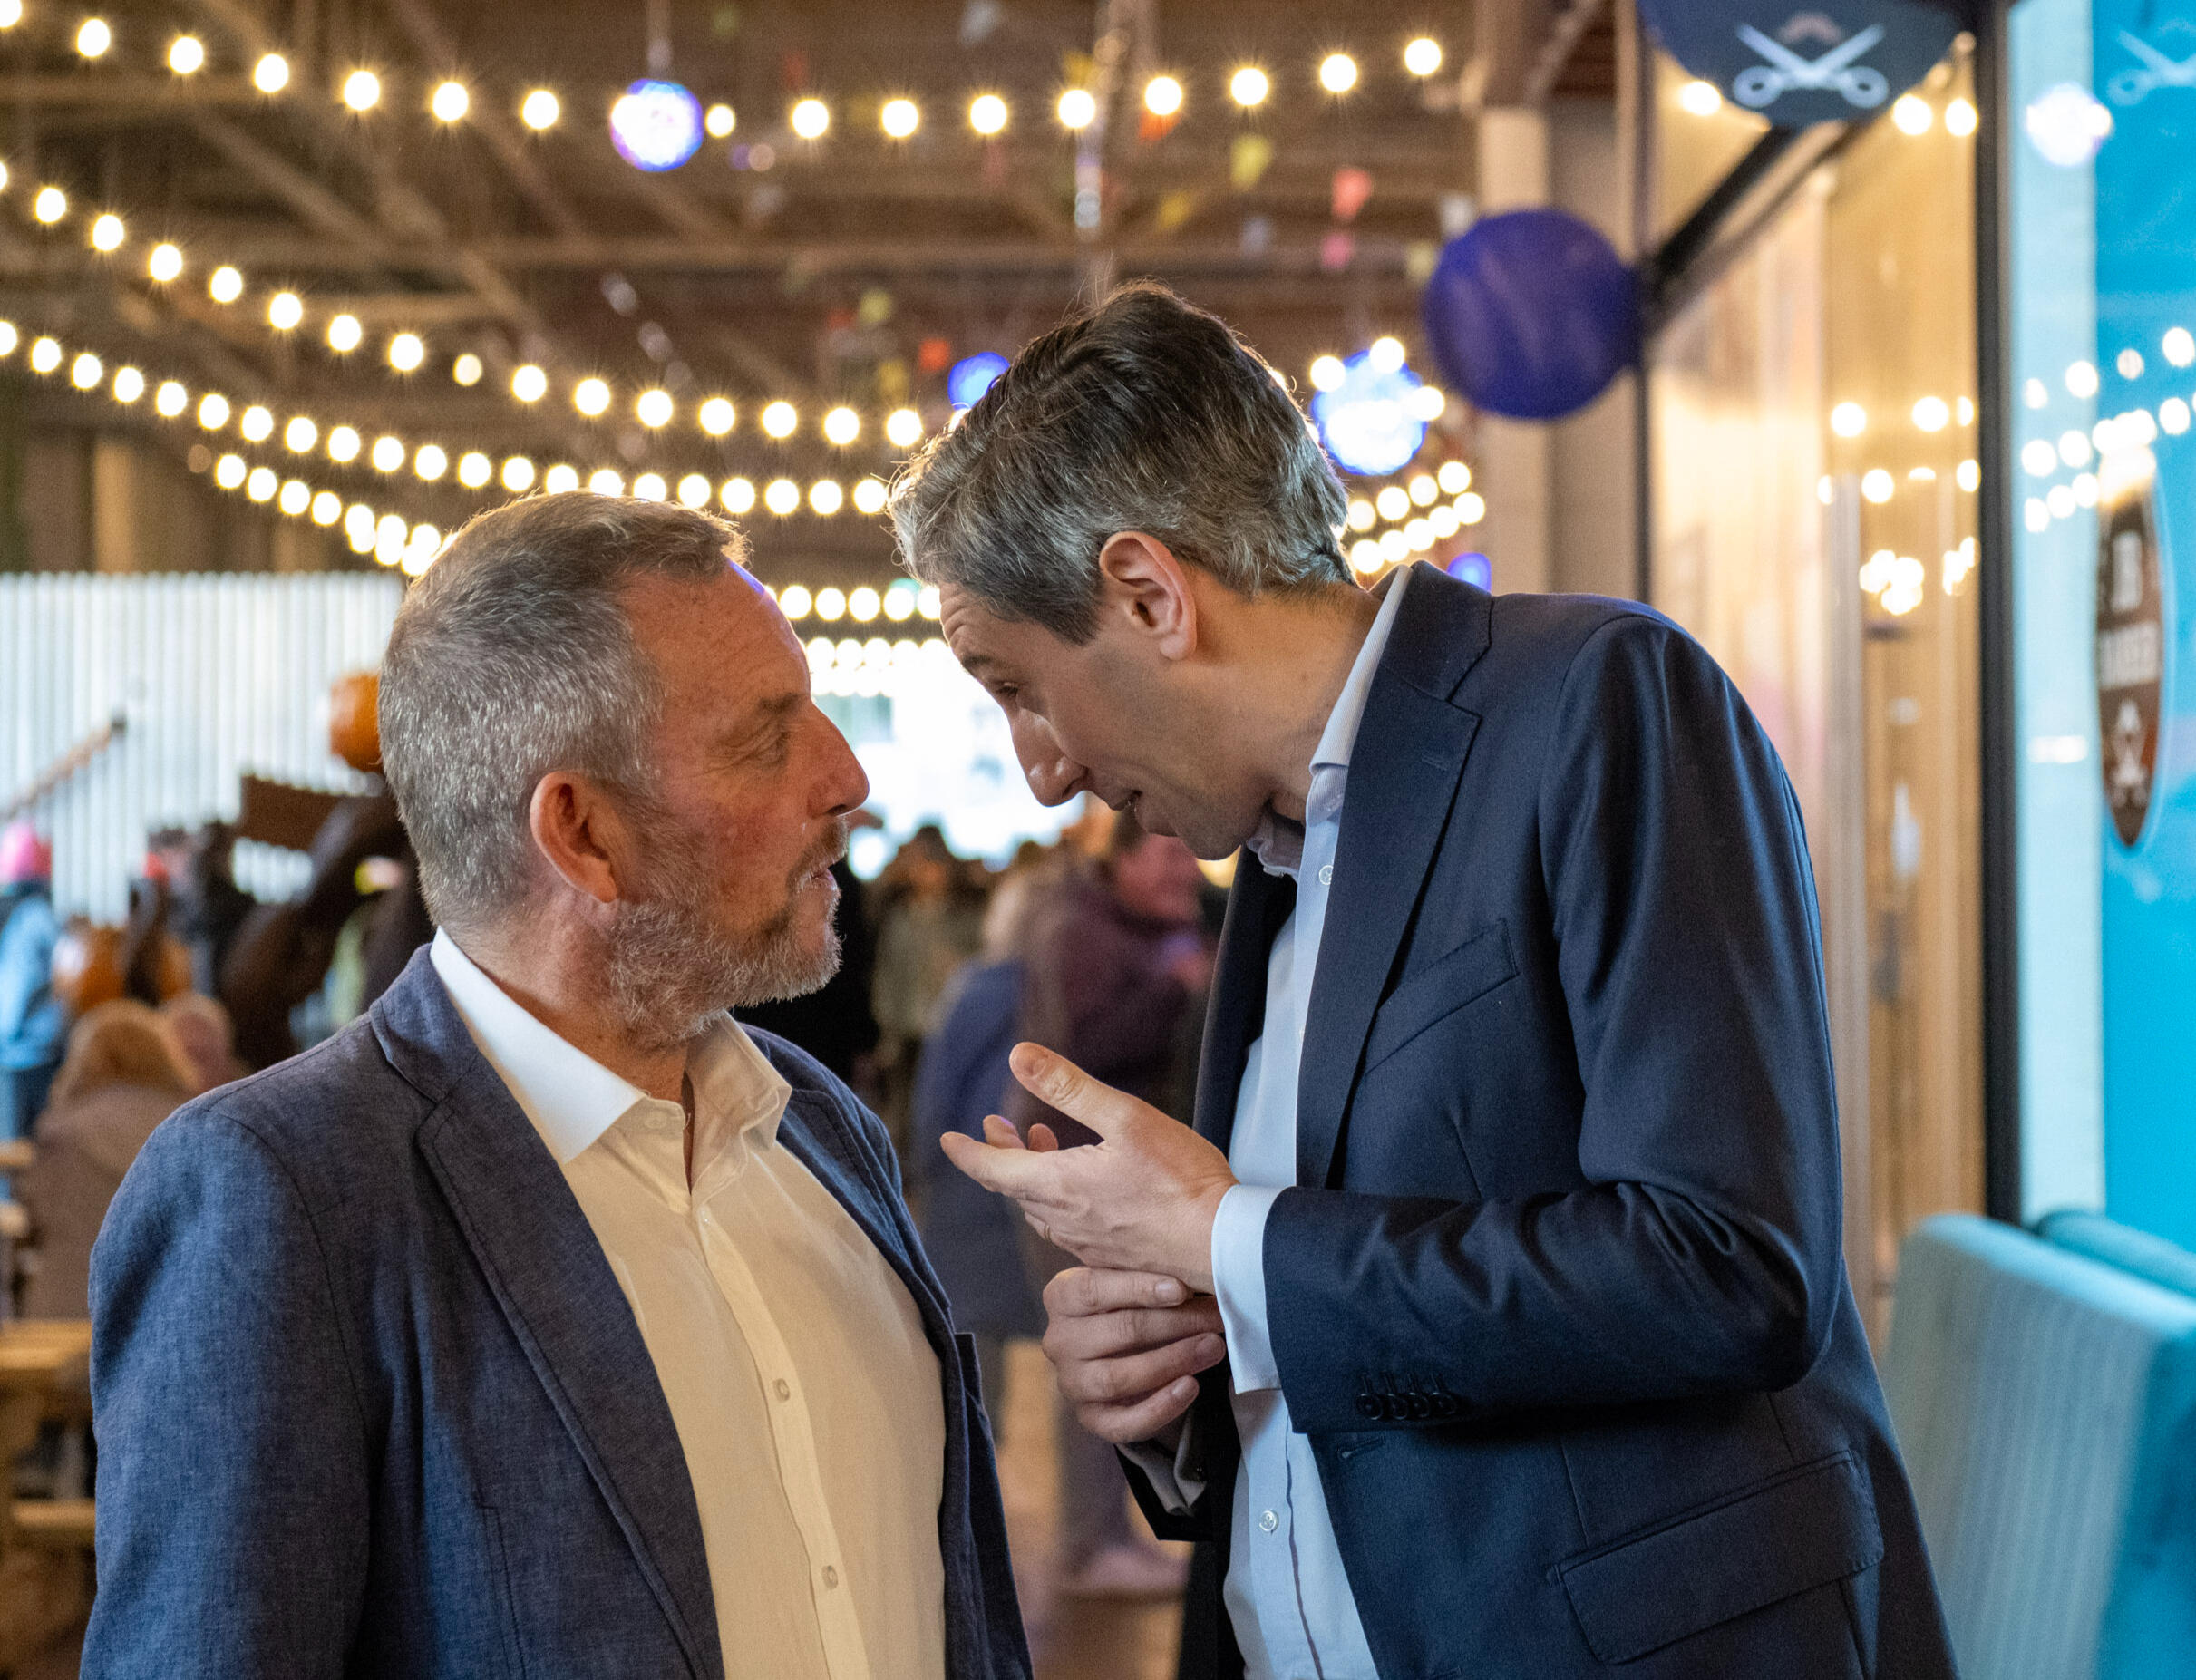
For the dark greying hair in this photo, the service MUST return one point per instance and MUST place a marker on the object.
(1142, 414)
(513, 658)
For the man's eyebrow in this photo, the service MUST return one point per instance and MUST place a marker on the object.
(772, 709)
(974, 663)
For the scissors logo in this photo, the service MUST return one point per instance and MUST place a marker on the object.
(1787, 72)
(2131, 87)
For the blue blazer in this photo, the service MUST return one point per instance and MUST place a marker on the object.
(370, 1401)
(1561, 1304)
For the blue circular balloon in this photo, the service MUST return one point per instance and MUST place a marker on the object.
(972, 376)
(1531, 314)
(656, 125)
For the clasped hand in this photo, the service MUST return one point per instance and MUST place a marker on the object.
(1130, 1328)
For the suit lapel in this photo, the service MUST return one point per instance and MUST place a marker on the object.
(550, 1277)
(1405, 769)
(1257, 905)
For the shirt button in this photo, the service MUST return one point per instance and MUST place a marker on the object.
(1327, 875)
(830, 1575)
(785, 1389)
(1269, 1521)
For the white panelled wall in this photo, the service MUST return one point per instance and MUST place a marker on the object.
(215, 676)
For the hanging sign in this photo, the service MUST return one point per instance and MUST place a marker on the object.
(1815, 60)
(2130, 637)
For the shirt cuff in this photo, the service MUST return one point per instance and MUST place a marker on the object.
(1177, 1485)
(1238, 1282)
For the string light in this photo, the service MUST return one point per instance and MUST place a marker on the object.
(85, 372)
(694, 490)
(528, 384)
(1162, 96)
(779, 419)
(539, 110)
(406, 351)
(738, 495)
(717, 416)
(605, 482)
(719, 121)
(271, 75)
(170, 400)
(388, 454)
(300, 435)
(1249, 86)
(810, 118)
(826, 496)
(467, 370)
(450, 102)
(842, 426)
(164, 263)
(591, 397)
(225, 285)
(93, 37)
(654, 408)
(344, 334)
(898, 119)
(1700, 99)
(362, 90)
(987, 113)
(474, 470)
(257, 424)
(518, 475)
(186, 55)
(107, 232)
(284, 311)
(1077, 109)
(559, 478)
(50, 205)
(213, 411)
(781, 497)
(344, 444)
(1423, 56)
(870, 496)
(1337, 72)
(903, 428)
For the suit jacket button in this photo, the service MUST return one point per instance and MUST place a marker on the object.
(1368, 1405)
(1419, 1405)
(1391, 1408)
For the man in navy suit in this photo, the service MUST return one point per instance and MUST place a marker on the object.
(545, 1322)
(1507, 1238)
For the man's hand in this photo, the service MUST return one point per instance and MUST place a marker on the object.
(1141, 1200)
(1128, 1346)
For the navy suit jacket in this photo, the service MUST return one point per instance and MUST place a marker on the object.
(369, 1400)
(1560, 1302)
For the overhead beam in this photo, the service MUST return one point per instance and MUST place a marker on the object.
(131, 95)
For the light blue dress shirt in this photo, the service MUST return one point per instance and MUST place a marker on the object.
(1286, 1594)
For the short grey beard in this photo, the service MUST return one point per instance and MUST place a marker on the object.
(671, 972)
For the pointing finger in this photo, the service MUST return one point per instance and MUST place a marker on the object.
(1015, 1173)
(1053, 1078)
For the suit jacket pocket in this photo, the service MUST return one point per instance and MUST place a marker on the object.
(1460, 977)
(1807, 1527)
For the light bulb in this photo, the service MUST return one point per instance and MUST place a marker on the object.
(93, 37)
(225, 285)
(779, 419)
(429, 462)
(344, 334)
(1423, 56)
(738, 495)
(650, 487)
(186, 55)
(1249, 86)
(229, 470)
(592, 396)
(781, 497)
(1385, 354)
(213, 411)
(467, 369)
(271, 75)
(50, 205)
(561, 479)
(1337, 72)
(164, 263)
(449, 101)
(826, 496)
(518, 474)
(296, 498)
(987, 113)
(719, 121)
(694, 490)
(1700, 99)
(474, 468)
(539, 110)
(1327, 373)
(388, 454)
(717, 416)
(528, 384)
(300, 435)
(1077, 109)
(85, 372)
(870, 496)
(653, 408)
(1911, 115)
(1162, 96)
(604, 481)
(257, 424)
(842, 426)
(343, 444)
(903, 428)
(170, 400)
(406, 351)
(362, 90)
(107, 232)
(898, 119)
(327, 508)
(284, 311)
(810, 118)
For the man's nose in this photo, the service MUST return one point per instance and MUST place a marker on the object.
(1053, 776)
(845, 785)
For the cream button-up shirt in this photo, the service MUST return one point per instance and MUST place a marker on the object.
(805, 1395)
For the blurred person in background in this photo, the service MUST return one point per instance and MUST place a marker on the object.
(201, 1030)
(124, 1073)
(34, 1022)
(973, 1237)
(929, 923)
(207, 908)
(1118, 969)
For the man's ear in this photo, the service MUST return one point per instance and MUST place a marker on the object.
(1142, 583)
(577, 828)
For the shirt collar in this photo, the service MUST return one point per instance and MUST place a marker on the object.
(570, 1098)
(1279, 844)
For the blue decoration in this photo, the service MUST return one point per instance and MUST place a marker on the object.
(1474, 568)
(972, 376)
(1826, 61)
(1365, 421)
(1531, 314)
(656, 125)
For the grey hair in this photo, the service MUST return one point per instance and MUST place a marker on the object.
(513, 658)
(1143, 414)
